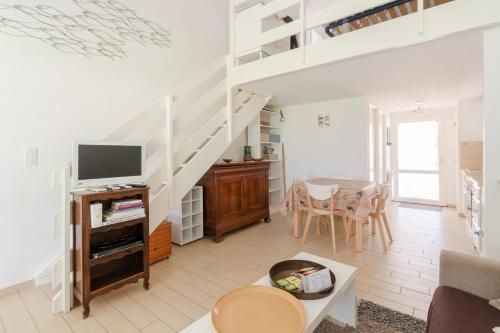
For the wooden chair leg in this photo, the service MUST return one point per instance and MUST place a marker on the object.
(332, 223)
(318, 225)
(344, 222)
(295, 224)
(348, 231)
(373, 226)
(381, 233)
(306, 229)
(359, 235)
(295, 219)
(387, 226)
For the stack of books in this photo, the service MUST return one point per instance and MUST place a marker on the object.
(124, 210)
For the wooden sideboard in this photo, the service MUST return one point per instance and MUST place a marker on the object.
(235, 195)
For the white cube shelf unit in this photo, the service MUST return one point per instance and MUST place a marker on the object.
(187, 217)
(266, 131)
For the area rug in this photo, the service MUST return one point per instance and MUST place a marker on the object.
(417, 206)
(373, 318)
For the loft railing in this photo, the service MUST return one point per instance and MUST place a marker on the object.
(260, 35)
(250, 33)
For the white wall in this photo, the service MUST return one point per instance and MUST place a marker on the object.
(492, 142)
(469, 128)
(235, 150)
(470, 119)
(341, 150)
(47, 98)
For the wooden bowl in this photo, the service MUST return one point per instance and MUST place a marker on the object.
(227, 160)
(285, 269)
(255, 309)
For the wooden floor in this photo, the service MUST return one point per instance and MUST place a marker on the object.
(185, 287)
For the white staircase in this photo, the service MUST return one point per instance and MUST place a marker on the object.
(185, 134)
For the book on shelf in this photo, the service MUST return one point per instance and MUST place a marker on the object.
(122, 219)
(124, 210)
(125, 204)
(111, 214)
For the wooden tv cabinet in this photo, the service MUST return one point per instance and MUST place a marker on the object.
(235, 195)
(95, 277)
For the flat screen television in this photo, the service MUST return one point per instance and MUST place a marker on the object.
(100, 163)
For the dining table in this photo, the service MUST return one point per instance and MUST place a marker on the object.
(353, 199)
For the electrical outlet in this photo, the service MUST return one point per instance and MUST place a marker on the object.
(31, 157)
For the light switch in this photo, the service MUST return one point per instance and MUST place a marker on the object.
(31, 157)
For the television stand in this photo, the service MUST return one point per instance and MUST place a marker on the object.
(111, 256)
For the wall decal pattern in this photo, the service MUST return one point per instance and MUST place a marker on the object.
(100, 27)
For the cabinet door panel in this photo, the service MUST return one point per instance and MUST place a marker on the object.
(230, 196)
(256, 191)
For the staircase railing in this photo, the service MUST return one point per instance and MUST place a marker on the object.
(184, 134)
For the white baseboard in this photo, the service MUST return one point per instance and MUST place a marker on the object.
(45, 275)
(41, 280)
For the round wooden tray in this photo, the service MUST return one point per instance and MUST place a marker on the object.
(254, 309)
(285, 269)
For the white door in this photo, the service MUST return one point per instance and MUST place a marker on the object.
(417, 160)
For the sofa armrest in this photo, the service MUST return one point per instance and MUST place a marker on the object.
(475, 275)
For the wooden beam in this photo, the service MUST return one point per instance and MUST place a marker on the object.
(355, 25)
(414, 6)
(393, 12)
(403, 10)
(382, 16)
(365, 22)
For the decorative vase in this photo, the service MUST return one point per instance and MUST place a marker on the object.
(247, 153)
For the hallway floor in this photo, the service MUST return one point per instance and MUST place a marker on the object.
(184, 287)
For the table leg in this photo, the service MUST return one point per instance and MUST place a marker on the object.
(345, 308)
(359, 235)
(295, 224)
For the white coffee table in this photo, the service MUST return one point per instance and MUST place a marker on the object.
(341, 304)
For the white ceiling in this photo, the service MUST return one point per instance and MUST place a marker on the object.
(438, 73)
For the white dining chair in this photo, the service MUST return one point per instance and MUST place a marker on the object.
(324, 193)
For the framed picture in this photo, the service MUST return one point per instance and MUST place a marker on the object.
(323, 120)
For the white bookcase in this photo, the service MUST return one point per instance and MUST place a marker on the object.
(259, 137)
(187, 217)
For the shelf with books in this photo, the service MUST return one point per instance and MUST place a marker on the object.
(109, 256)
(265, 136)
(269, 127)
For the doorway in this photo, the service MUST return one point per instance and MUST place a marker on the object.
(417, 171)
